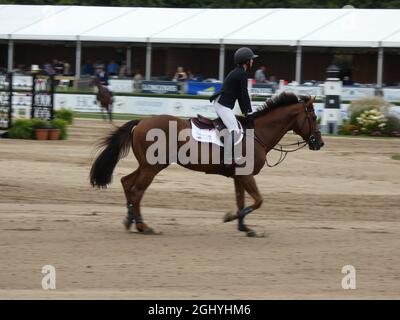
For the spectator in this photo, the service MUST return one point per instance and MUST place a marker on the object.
(58, 66)
(180, 75)
(273, 80)
(67, 68)
(138, 78)
(123, 70)
(48, 68)
(261, 75)
(347, 81)
(112, 68)
(88, 68)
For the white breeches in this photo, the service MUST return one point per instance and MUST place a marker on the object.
(227, 116)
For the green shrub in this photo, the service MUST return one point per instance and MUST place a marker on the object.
(65, 114)
(372, 121)
(22, 129)
(63, 126)
(40, 124)
(357, 107)
(392, 125)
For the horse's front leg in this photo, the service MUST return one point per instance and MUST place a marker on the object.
(239, 193)
(249, 184)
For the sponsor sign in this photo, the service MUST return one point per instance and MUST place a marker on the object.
(122, 85)
(160, 87)
(203, 88)
(261, 90)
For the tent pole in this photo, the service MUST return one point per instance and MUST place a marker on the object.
(78, 56)
(129, 61)
(10, 59)
(221, 62)
(299, 53)
(379, 80)
(148, 61)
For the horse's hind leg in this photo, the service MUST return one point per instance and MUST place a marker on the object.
(127, 183)
(249, 184)
(142, 180)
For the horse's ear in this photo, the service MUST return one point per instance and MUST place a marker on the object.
(313, 98)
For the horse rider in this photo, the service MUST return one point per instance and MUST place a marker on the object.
(102, 75)
(234, 88)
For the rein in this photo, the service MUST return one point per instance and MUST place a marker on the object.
(300, 144)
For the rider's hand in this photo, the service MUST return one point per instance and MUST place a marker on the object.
(250, 121)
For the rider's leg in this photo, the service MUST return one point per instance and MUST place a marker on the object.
(230, 121)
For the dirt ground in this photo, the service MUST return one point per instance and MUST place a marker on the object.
(322, 210)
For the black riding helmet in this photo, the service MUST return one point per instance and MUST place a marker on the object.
(243, 55)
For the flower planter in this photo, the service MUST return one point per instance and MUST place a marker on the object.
(41, 134)
(54, 134)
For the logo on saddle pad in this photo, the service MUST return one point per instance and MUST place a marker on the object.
(210, 131)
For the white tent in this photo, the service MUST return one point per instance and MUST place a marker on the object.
(357, 28)
(307, 27)
(14, 18)
(138, 24)
(67, 24)
(288, 27)
(210, 26)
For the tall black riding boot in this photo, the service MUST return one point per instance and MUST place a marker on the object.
(229, 154)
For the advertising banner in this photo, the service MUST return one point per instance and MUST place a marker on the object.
(354, 93)
(391, 95)
(153, 106)
(262, 90)
(203, 88)
(160, 87)
(121, 85)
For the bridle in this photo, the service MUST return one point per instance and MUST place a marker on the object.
(309, 110)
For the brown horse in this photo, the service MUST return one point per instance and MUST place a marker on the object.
(279, 115)
(104, 97)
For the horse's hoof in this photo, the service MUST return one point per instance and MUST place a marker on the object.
(127, 224)
(228, 217)
(149, 231)
(251, 233)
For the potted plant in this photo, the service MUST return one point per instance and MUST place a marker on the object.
(42, 128)
(54, 132)
(61, 125)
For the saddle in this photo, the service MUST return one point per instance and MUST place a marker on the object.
(206, 123)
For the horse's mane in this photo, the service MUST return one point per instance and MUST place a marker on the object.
(279, 100)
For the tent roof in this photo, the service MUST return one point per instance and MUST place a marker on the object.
(308, 27)
(358, 28)
(284, 27)
(13, 18)
(210, 25)
(138, 24)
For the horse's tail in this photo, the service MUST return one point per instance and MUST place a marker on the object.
(117, 146)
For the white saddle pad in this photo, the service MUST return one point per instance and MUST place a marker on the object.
(211, 136)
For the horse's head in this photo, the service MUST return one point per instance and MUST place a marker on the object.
(306, 124)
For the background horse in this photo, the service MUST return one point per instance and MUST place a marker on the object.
(279, 115)
(104, 97)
